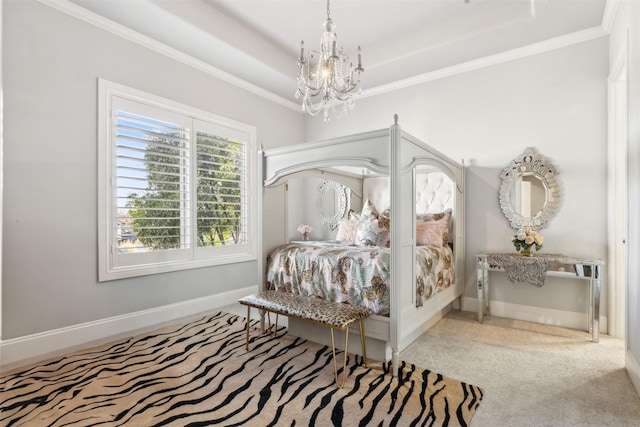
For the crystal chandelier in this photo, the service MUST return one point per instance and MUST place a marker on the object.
(331, 82)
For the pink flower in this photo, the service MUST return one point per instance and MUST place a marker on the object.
(305, 229)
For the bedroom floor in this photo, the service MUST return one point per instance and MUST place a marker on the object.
(532, 374)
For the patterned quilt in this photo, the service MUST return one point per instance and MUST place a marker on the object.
(358, 275)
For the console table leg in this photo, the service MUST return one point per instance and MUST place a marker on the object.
(597, 282)
(591, 305)
(480, 289)
(485, 280)
(482, 286)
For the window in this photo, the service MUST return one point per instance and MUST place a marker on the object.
(175, 186)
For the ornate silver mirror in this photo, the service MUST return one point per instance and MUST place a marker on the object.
(333, 202)
(529, 194)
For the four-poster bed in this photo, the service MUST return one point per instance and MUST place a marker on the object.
(410, 183)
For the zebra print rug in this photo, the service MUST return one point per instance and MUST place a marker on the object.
(199, 374)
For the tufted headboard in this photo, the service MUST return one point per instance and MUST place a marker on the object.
(435, 192)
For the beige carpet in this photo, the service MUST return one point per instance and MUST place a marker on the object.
(198, 374)
(533, 374)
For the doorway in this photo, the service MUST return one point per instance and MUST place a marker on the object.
(617, 203)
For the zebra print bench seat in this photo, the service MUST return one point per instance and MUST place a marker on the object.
(328, 313)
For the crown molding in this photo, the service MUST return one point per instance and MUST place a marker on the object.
(487, 61)
(103, 23)
(96, 20)
(609, 15)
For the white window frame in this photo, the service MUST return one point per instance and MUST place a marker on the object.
(114, 265)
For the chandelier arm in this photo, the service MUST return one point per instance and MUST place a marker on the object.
(312, 94)
(343, 99)
(348, 91)
(309, 86)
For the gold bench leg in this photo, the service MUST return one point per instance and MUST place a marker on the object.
(269, 322)
(363, 343)
(272, 332)
(335, 364)
(248, 322)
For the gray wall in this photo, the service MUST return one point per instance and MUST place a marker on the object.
(51, 67)
(554, 101)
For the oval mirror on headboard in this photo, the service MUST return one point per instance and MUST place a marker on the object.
(333, 202)
(529, 194)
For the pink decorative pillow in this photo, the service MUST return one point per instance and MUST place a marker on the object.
(434, 216)
(441, 219)
(429, 233)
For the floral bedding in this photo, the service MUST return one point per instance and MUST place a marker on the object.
(358, 275)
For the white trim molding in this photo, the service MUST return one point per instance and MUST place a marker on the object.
(32, 348)
(103, 23)
(487, 61)
(609, 15)
(546, 316)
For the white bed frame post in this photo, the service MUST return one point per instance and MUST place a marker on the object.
(259, 237)
(460, 233)
(396, 242)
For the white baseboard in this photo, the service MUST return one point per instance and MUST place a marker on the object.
(547, 316)
(633, 369)
(20, 351)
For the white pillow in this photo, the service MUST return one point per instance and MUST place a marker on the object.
(347, 228)
(373, 228)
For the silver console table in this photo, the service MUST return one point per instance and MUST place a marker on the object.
(548, 265)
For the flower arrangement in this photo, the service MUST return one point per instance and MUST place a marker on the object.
(305, 230)
(526, 239)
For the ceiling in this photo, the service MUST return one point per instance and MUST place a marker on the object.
(259, 40)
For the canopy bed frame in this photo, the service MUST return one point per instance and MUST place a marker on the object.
(392, 160)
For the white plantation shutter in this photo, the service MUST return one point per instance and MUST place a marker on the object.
(177, 186)
(222, 190)
(152, 175)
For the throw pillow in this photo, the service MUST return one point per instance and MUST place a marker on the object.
(429, 233)
(347, 228)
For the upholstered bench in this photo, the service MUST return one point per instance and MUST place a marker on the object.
(328, 313)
